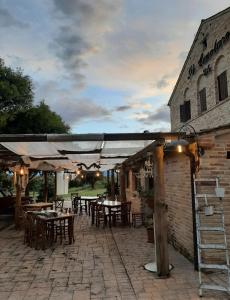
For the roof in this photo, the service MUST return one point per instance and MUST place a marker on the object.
(193, 44)
(70, 151)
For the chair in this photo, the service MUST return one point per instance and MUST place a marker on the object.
(79, 204)
(122, 214)
(63, 228)
(100, 215)
(58, 203)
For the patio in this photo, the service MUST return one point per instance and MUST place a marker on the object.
(101, 264)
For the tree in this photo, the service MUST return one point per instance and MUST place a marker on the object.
(16, 90)
(37, 119)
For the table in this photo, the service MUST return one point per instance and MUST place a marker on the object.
(87, 200)
(38, 206)
(109, 205)
(42, 227)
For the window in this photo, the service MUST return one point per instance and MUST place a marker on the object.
(185, 111)
(202, 98)
(222, 86)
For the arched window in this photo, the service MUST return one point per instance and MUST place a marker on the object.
(221, 78)
(185, 108)
(201, 94)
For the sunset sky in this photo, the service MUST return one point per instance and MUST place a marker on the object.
(103, 65)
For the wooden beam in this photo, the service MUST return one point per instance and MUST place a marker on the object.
(18, 202)
(112, 185)
(122, 184)
(160, 215)
(45, 186)
(87, 137)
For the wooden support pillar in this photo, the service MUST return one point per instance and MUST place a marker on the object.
(45, 185)
(18, 202)
(160, 216)
(122, 184)
(55, 185)
(108, 183)
(112, 185)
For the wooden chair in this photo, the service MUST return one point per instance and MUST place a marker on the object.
(79, 205)
(100, 215)
(65, 228)
(58, 203)
(122, 214)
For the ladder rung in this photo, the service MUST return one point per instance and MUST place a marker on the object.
(213, 266)
(204, 228)
(213, 287)
(206, 195)
(202, 179)
(216, 212)
(213, 246)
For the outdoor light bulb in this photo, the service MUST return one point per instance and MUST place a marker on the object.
(78, 172)
(97, 174)
(21, 172)
(82, 176)
(179, 148)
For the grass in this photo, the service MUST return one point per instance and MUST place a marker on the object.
(87, 190)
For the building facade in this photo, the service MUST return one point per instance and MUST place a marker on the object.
(201, 96)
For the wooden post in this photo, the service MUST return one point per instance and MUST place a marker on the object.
(122, 184)
(18, 202)
(45, 186)
(55, 185)
(160, 216)
(112, 185)
(108, 183)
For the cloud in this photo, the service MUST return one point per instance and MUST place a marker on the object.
(82, 35)
(123, 108)
(75, 111)
(150, 117)
(8, 20)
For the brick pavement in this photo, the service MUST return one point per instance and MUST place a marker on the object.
(102, 264)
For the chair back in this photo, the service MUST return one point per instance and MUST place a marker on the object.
(74, 195)
(58, 203)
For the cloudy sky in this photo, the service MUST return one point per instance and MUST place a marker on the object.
(103, 65)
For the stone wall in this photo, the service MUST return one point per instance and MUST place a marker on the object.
(187, 88)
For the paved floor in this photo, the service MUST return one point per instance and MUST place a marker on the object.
(102, 264)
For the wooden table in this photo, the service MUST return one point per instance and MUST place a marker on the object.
(109, 205)
(87, 200)
(45, 227)
(37, 206)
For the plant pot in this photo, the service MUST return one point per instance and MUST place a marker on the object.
(150, 234)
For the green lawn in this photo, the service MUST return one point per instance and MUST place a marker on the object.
(87, 190)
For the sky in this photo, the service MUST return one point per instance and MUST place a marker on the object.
(103, 65)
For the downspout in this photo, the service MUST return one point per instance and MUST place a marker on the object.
(192, 173)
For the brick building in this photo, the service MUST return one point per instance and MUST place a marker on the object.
(201, 98)
(202, 92)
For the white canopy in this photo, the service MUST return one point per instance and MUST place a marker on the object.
(72, 151)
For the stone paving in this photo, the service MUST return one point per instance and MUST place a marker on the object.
(102, 264)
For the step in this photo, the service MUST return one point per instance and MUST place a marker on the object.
(216, 212)
(206, 195)
(213, 287)
(213, 246)
(203, 179)
(206, 228)
(213, 266)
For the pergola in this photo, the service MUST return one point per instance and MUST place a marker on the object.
(108, 151)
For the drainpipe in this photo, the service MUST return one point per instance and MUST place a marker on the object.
(192, 172)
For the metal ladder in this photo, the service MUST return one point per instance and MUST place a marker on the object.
(207, 210)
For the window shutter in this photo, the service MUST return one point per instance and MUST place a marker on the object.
(187, 110)
(182, 113)
(222, 86)
(202, 97)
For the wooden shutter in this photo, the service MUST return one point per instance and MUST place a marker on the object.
(187, 110)
(222, 86)
(202, 97)
(182, 113)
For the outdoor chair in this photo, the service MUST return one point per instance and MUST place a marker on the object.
(79, 205)
(64, 228)
(58, 203)
(122, 214)
(100, 215)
